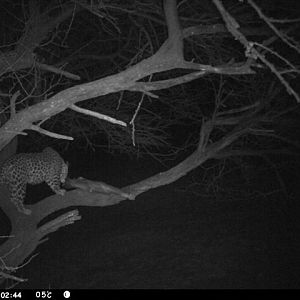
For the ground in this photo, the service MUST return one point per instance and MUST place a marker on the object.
(170, 238)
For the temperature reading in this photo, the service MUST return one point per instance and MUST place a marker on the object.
(43, 295)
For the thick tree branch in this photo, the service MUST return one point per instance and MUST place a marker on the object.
(26, 234)
(168, 57)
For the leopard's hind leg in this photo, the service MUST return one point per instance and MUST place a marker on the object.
(17, 195)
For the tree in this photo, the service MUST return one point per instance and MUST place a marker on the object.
(162, 55)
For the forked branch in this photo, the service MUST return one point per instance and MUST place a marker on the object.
(27, 233)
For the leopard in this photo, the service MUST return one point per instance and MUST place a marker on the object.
(33, 168)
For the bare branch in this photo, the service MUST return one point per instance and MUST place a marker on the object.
(251, 52)
(97, 115)
(51, 134)
(269, 22)
(58, 71)
(13, 103)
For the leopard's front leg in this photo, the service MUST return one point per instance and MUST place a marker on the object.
(54, 184)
